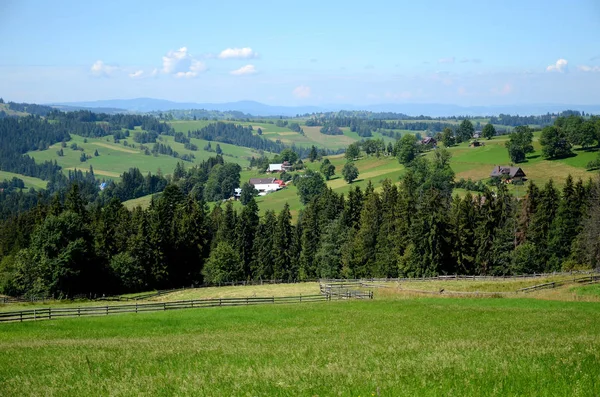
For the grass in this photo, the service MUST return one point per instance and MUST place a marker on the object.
(592, 290)
(28, 180)
(508, 285)
(143, 202)
(114, 158)
(371, 169)
(387, 347)
(183, 294)
(242, 291)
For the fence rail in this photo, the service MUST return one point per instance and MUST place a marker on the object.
(582, 280)
(53, 313)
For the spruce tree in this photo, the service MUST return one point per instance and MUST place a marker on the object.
(283, 245)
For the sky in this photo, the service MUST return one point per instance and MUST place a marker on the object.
(469, 53)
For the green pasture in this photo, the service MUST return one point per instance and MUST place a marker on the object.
(115, 158)
(394, 346)
(28, 180)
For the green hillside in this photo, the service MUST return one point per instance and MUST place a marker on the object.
(28, 180)
(115, 158)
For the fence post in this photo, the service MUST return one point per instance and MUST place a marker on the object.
(49, 313)
(21, 316)
(219, 301)
(78, 311)
(107, 310)
(34, 315)
(165, 305)
(300, 298)
(136, 308)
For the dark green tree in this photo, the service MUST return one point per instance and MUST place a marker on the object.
(248, 193)
(310, 185)
(466, 130)
(407, 149)
(520, 143)
(223, 265)
(555, 144)
(350, 172)
(327, 169)
(313, 154)
(448, 137)
(353, 151)
(489, 131)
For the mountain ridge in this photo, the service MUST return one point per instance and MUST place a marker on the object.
(260, 109)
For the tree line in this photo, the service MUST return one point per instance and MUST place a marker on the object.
(416, 228)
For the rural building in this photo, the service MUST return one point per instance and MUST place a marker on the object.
(285, 166)
(477, 134)
(428, 140)
(512, 173)
(266, 185)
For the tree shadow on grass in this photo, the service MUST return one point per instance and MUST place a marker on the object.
(535, 156)
(587, 149)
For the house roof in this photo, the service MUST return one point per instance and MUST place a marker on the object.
(275, 167)
(261, 181)
(506, 170)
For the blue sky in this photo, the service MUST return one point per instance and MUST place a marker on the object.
(302, 52)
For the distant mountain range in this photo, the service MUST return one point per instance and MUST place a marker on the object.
(261, 109)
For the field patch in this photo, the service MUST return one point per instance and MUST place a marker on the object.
(390, 347)
(114, 147)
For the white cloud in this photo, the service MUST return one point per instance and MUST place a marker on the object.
(180, 63)
(559, 66)
(584, 68)
(302, 91)
(238, 53)
(137, 74)
(446, 60)
(244, 70)
(99, 68)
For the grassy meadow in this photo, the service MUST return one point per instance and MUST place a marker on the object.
(390, 346)
(28, 180)
(115, 158)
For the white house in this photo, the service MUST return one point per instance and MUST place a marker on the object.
(285, 166)
(265, 185)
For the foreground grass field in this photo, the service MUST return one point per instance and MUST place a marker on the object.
(387, 347)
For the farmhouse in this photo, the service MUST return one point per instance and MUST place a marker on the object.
(429, 141)
(513, 173)
(285, 166)
(266, 185)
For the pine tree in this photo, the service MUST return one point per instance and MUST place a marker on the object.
(264, 248)
(310, 243)
(463, 222)
(365, 240)
(246, 232)
(565, 226)
(282, 250)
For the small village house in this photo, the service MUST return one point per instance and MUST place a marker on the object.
(266, 185)
(283, 167)
(510, 173)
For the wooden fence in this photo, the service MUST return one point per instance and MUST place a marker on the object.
(581, 280)
(54, 313)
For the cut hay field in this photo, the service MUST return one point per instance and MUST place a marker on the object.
(385, 347)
